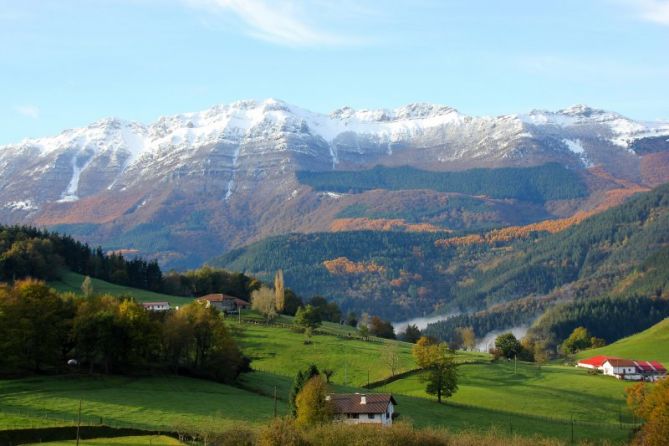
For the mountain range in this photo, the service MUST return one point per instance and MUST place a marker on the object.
(190, 187)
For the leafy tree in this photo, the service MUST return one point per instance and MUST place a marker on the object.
(468, 338)
(578, 340)
(33, 326)
(264, 302)
(508, 345)
(279, 291)
(411, 334)
(440, 372)
(653, 406)
(300, 379)
(351, 319)
(308, 317)
(292, 303)
(311, 403)
(329, 311)
(380, 328)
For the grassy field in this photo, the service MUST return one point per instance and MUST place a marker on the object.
(72, 282)
(153, 403)
(651, 344)
(149, 440)
(282, 352)
(532, 400)
(529, 400)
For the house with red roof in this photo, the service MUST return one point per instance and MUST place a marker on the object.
(627, 369)
(356, 408)
(223, 302)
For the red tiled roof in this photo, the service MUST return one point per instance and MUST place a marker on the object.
(618, 362)
(596, 361)
(217, 297)
(658, 366)
(350, 402)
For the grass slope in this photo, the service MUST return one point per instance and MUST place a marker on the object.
(651, 344)
(153, 440)
(72, 282)
(531, 400)
(145, 403)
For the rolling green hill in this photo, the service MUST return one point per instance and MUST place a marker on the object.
(71, 282)
(651, 344)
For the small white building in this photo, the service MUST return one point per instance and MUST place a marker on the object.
(356, 408)
(156, 306)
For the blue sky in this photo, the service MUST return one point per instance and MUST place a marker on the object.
(65, 63)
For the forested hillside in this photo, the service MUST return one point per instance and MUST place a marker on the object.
(610, 272)
(537, 184)
(621, 252)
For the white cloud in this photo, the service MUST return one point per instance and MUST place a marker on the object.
(656, 11)
(29, 111)
(283, 22)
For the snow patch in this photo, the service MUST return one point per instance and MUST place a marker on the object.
(23, 205)
(70, 193)
(574, 145)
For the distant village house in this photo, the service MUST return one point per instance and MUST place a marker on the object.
(156, 306)
(223, 302)
(627, 369)
(356, 408)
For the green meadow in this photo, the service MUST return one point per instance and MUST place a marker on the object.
(525, 399)
(72, 282)
(651, 344)
(148, 440)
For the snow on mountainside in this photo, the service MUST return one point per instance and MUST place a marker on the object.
(228, 173)
(346, 133)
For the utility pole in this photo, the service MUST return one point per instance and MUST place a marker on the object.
(274, 401)
(572, 429)
(78, 422)
(239, 313)
(515, 364)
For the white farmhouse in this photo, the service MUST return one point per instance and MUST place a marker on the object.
(356, 408)
(622, 369)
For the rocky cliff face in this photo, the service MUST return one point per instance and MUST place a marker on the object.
(187, 187)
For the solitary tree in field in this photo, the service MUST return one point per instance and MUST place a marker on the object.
(264, 302)
(440, 372)
(390, 355)
(508, 345)
(279, 291)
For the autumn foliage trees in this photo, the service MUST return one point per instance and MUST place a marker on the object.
(651, 403)
(40, 330)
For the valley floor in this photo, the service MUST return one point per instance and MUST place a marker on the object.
(528, 401)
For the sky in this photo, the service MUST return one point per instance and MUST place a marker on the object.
(66, 63)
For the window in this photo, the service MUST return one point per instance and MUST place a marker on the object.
(354, 415)
(370, 416)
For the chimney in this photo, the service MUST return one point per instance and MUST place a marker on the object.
(363, 399)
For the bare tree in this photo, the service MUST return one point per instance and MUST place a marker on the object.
(264, 302)
(390, 355)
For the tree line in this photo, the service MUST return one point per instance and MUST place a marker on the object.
(550, 181)
(45, 331)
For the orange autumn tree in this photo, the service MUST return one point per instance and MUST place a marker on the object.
(651, 403)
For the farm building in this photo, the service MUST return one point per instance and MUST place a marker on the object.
(223, 302)
(627, 369)
(356, 408)
(156, 306)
